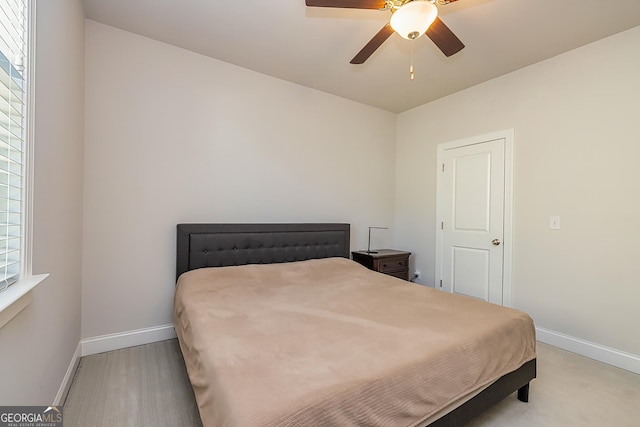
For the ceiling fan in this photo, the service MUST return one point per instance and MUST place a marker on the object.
(410, 19)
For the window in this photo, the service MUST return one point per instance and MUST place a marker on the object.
(13, 58)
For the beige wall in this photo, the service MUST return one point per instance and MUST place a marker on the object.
(38, 344)
(577, 127)
(172, 136)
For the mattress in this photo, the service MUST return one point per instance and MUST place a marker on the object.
(328, 342)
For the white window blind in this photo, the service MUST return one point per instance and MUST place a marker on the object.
(13, 33)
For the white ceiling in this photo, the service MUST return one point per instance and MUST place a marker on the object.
(313, 46)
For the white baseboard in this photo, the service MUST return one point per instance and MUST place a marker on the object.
(126, 339)
(100, 344)
(601, 353)
(68, 377)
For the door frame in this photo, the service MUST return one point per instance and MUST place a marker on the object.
(507, 239)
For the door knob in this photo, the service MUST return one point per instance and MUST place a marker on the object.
(495, 242)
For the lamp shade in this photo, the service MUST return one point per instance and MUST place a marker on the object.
(413, 19)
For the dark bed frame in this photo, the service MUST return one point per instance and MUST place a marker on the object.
(218, 245)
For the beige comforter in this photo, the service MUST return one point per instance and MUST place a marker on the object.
(329, 343)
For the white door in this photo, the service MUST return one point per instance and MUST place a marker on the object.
(471, 208)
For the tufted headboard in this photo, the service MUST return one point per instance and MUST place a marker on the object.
(218, 245)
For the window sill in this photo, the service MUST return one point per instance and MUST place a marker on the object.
(17, 297)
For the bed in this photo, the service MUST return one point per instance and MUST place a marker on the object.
(279, 328)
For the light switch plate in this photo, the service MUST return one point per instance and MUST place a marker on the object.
(554, 222)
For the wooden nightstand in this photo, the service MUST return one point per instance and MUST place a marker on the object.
(387, 261)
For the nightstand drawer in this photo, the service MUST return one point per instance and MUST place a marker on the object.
(392, 264)
(401, 274)
(386, 261)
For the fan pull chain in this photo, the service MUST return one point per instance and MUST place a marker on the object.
(411, 73)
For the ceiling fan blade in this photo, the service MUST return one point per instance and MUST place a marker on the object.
(444, 38)
(347, 4)
(373, 44)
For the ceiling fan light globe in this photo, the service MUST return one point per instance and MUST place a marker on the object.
(413, 19)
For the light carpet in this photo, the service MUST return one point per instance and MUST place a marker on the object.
(148, 386)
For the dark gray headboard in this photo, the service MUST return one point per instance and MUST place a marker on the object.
(218, 245)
